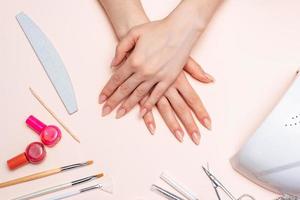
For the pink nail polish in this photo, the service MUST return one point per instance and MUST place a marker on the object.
(35, 153)
(50, 135)
(102, 98)
(120, 113)
(196, 138)
(106, 110)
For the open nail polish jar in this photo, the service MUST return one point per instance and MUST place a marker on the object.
(50, 135)
(34, 153)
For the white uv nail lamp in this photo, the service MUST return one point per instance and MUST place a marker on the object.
(271, 158)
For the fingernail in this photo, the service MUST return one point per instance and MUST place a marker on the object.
(113, 62)
(151, 128)
(143, 112)
(196, 138)
(179, 135)
(106, 110)
(120, 113)
(207, 123)
(102, 98)
(209, 77)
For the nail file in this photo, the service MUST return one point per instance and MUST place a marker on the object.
(50, 60)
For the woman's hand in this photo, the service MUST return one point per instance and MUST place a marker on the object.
(181, 100)
(158, 52)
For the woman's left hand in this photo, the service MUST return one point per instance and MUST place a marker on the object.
(178, 103)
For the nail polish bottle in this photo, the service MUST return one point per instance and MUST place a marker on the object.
(50, 135)
(35, 153)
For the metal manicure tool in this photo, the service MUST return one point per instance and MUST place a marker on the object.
(217, 184)
(165, 193)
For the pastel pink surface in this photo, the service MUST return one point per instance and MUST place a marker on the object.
(251, 48)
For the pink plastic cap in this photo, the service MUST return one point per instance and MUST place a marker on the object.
(51, 135)
(35, 124)
(35, 152)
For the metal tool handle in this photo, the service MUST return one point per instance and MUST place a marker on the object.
(44, 192)
(165, 193)
(65, 195)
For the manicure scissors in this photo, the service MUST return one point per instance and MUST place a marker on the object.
(217, 184)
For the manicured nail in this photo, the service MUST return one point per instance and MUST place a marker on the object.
(207, 123)
(143, 112)
(102, 98)
(120, 113)
(209, 77)
(113, 62)
(151, 128)
(196, 138)
(106, 110)
(179, 135)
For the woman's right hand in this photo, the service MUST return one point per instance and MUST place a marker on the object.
(157, 52)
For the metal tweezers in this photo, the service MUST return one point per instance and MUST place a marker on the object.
(217, 184)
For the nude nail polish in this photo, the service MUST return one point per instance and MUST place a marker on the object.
(106, 110)
(102, 98)
(207, 123)
(120, 113)
(209, 77)
(179, 135)
(196, 138)
(151, 128)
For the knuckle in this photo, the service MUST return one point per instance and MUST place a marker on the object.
(125, 89)
(140, 92)
(111, 102)
(116, 78)
(146, 71)
(194, 99)
(135, 61)
(163, 105)
(182, 109)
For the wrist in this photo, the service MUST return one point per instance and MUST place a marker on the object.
(197, 13)
(130, 22)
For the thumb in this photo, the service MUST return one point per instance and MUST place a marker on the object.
(196, 71)
(125, 45)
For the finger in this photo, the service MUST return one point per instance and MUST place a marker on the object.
(184, 114)
(114, 82)
(193, 100)
(196, 71)
(149, 118)
(156, 94)
(122, 92)
(150, 123)
(169, 117)
(125, 45)
(139, 93)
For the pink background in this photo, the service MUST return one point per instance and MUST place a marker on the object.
(251, 47)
